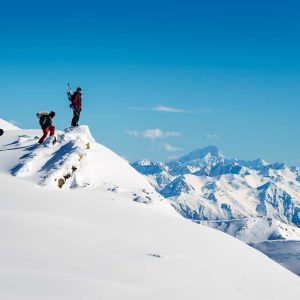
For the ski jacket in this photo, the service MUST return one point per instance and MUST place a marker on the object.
(45, 121)
(76, 101)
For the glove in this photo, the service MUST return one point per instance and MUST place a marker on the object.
(71, 106)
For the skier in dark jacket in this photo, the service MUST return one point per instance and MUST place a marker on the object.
(46, 125)
(76, 106)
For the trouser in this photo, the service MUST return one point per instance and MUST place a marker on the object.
(76, 116)
(46, 130)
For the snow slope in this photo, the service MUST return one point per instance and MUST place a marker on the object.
(90, 240)
(76, 161)
(7, 126)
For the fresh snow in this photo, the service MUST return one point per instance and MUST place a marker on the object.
(7, 126)
(106, 234)
(77, 161)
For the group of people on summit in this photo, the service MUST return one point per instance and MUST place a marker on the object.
(46, 119)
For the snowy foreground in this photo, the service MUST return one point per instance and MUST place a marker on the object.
(104, 233)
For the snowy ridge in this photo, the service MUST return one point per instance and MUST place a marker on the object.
(7, 126)
(77, 161)
(65, 158)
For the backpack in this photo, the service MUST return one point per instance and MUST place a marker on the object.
(42, 117)
(42, 114)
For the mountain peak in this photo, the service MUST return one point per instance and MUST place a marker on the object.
(202, 153)
(148, 167)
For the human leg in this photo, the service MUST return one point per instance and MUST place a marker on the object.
(75, 119)
(45, 133)
(52, 130)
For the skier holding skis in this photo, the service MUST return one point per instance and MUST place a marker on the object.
(46, 125)
(75, 105)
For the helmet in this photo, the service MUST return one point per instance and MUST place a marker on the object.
(78, 89)
(52, 114)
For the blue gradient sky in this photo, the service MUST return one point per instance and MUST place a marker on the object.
(231, 67)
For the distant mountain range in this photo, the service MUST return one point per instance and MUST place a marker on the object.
(252, 200)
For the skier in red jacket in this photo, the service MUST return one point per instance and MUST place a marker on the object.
(76, 106)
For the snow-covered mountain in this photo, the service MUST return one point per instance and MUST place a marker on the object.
(286, 253)
(157, 173)
(252, 200)
(78, 222)
(196, 160)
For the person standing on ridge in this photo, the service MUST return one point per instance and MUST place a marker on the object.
(75, 105)
(46, 125)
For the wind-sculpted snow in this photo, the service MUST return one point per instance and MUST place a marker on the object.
(76, 161)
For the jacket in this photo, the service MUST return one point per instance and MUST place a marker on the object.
(76, 101)
(45, 121)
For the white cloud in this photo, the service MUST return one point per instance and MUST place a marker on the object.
(153, 134)
(157, 133)
(212, 135)
(170, 148)
(169, 109)
(132, 132)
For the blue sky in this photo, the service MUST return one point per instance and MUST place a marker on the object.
(160, 78)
